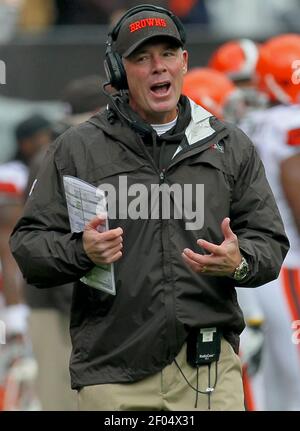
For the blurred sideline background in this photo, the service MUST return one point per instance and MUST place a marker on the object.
(47, 43)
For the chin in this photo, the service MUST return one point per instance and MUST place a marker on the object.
(164, 107)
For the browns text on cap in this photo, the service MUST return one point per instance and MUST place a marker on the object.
(138, 28)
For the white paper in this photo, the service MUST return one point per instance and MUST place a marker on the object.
(84, 201)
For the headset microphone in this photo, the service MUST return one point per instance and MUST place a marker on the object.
(136, 125)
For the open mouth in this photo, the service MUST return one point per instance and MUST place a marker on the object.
(161, 89)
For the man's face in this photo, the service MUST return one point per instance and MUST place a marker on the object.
(155, 74)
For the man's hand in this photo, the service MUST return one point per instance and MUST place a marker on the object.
(222, 260)
(102, 247)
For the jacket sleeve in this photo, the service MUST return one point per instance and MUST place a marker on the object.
(47, 253)
(255, 218)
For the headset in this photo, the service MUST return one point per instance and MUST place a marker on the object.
(113, 64)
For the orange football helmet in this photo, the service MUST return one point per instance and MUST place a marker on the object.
(210, 89)
(236, 58)
(278, 67)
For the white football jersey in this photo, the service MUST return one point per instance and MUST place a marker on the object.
(13, 179)
(276, 134)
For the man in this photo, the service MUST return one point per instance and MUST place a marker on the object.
(168, 339)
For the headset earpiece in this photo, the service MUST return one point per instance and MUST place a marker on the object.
(114, 69)
(113, 64)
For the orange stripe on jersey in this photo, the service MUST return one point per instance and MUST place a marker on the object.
(9, 188)
(2, 396)
(293, 137)
(297, 282)
(291, 287)
(248, 393)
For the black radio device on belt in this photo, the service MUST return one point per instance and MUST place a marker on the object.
(203, 346)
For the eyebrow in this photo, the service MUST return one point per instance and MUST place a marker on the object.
(144, 50)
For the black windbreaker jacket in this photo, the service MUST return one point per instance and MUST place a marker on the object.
(136, 333)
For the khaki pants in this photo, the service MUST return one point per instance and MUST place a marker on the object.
(49, 332)
(167, 389)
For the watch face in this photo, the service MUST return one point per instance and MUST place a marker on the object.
(242, 270)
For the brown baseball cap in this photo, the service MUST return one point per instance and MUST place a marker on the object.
(143, 26)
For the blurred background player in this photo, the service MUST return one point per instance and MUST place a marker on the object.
(237, 60)
(17, 366)
(31, 135)
(215, 92)
(276, 134)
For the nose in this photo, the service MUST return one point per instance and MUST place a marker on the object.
(158, 64)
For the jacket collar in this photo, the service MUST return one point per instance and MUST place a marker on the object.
(202, 126)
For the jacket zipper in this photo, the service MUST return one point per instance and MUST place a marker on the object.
(170, 303)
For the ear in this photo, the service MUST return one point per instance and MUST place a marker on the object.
(185, 61)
